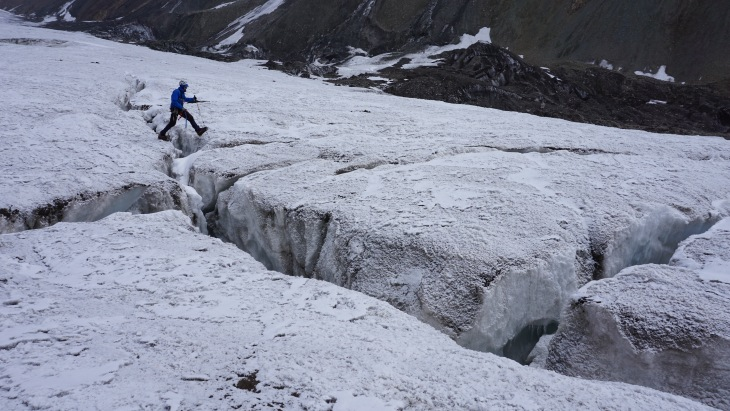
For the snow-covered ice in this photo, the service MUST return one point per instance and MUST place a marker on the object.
(665, 327)
(72, 151)
(708, 254)
(439, 235)
(142, 312)
(661, 326)
(479, 222)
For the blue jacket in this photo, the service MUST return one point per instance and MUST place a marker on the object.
(178, 99)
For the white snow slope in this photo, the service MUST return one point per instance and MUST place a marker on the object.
(476, 198)
(234, 31)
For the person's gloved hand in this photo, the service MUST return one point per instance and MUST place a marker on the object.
(195, 99)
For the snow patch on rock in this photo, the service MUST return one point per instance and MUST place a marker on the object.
(360, 64)
(234, 31)
(661, 74)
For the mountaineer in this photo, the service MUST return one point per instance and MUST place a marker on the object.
(177, 100)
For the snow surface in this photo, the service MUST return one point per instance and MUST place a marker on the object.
(708, 254)
(661, 74)
(142, 312)
(497, 214)
(67, 136)
(360, 64)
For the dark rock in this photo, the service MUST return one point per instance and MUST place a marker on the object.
(488, 76)
(301, 69)
(687, 37)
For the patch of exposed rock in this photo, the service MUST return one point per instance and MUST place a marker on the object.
(489, 76)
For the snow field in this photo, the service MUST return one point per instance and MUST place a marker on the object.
(70, 152)
(266, 121)
(141, 311)
(443, 211)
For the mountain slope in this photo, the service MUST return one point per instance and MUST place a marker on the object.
(688, 37)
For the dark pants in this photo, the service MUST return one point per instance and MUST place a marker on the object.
(173, 120)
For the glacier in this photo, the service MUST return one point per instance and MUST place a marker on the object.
(660, 326)
(475, 268)
(480, 223)
(142, 311)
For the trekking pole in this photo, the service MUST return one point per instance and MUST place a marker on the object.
(200, 116)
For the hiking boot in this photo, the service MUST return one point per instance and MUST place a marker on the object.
(201, 131)
(163, 137)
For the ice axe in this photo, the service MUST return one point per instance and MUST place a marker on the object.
(200, 115)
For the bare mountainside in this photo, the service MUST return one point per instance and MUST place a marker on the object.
(688, 37)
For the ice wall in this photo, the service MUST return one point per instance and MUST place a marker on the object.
(650, 238)
(482, 294)
(519, 307)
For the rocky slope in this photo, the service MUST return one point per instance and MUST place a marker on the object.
(687, 37)
(489, 76)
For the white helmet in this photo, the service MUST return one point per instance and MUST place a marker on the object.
(183, 83)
